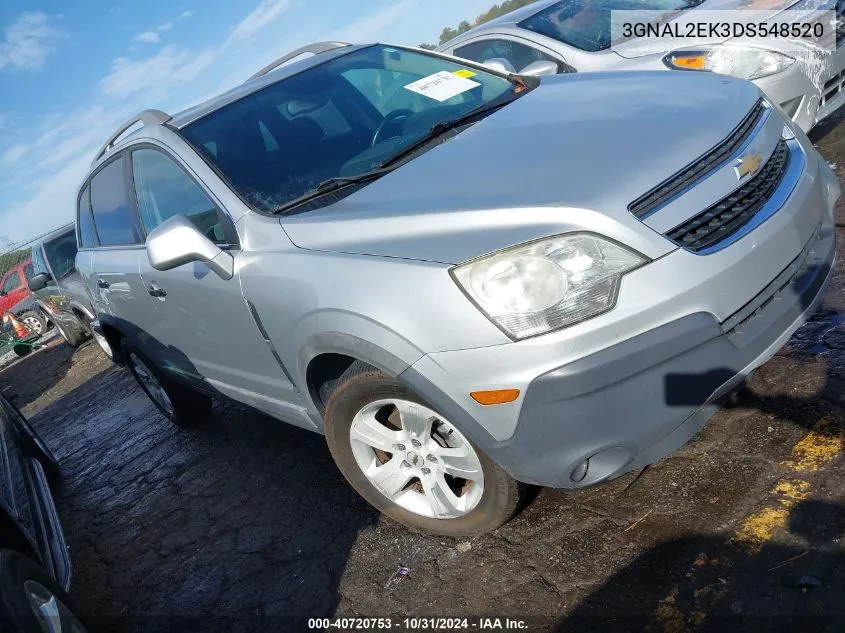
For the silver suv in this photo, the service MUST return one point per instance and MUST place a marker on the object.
(468, 281)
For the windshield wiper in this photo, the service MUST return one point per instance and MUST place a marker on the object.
(441, 127)
(332, 184)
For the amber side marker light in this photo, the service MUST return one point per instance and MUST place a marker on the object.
(688, 61)
(498, 396)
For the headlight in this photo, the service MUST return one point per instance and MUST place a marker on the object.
(745, 62)
(549, 284)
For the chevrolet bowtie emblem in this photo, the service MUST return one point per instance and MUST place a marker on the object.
(748, 164)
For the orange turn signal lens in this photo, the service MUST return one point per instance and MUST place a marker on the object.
(497, 396)
(689, 62)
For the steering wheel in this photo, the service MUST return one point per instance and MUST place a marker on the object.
(390, 118)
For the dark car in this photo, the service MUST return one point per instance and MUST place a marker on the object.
(35, 567)
(59, 289)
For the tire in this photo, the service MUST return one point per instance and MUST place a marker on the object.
(356, 396)
(23, 586)
(74, 334)
(22, 350)
(35, 322)
(181, 405)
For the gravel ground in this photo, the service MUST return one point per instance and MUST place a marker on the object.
(246, 525)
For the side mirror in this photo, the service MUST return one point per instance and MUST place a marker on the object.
(500, 64)
(39, 282)
(540, 67)
(176, 242)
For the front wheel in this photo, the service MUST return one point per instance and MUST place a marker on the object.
(410, 462)
(180, 404)
(73, 333)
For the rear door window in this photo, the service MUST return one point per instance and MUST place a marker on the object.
(114, 219)
(164, 189)
(86, 229)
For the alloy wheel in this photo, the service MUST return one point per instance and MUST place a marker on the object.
(33, 325)
(417, 459)
(51, 613)
(102, 342)
(151, 384)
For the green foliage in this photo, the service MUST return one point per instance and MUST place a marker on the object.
(428, 47)
(493, 12)
(13, 258)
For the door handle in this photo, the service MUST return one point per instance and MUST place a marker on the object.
(155, 291)
(102, 283)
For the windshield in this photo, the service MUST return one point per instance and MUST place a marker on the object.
(61, 252)
(338, 119)
(585, 24)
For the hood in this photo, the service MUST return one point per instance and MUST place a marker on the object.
(569, 155)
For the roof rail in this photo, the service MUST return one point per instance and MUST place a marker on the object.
(316, 48)
(147, 117)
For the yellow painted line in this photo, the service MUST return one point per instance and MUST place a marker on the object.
(818, 448)
(758, 528)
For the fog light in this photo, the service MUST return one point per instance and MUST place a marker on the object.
(580, 471)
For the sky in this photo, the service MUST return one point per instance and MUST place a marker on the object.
(71, 72)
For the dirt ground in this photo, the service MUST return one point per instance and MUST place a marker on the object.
(246, 525)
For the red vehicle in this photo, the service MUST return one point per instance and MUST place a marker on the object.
(13, 288)
(16, 298)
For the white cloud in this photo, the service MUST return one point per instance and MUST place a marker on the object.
(169, 68)
(148, 37)
(368, 27)
(28, 42)
(13, 154)
(185, 15)
(265, 13)
(164, 27)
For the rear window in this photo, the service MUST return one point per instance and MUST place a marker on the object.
(585, 24)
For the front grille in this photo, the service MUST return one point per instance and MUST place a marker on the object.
(730, 214)
(684, 179)
(833, 87)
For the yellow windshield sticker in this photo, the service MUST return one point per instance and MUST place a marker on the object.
(463, 72)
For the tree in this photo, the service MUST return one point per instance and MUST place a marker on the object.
(447, 34)
(495, 11)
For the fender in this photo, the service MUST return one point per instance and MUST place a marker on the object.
(356, 339)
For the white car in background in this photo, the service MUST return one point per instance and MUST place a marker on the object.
(556, 36)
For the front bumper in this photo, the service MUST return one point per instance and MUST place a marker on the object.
(806, 92)
(633, 403)
(625, 388)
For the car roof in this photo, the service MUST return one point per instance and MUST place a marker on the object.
(511, 19)
(253, 84)
(264, 78)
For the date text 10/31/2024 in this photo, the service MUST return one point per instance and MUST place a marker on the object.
(416, 624)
